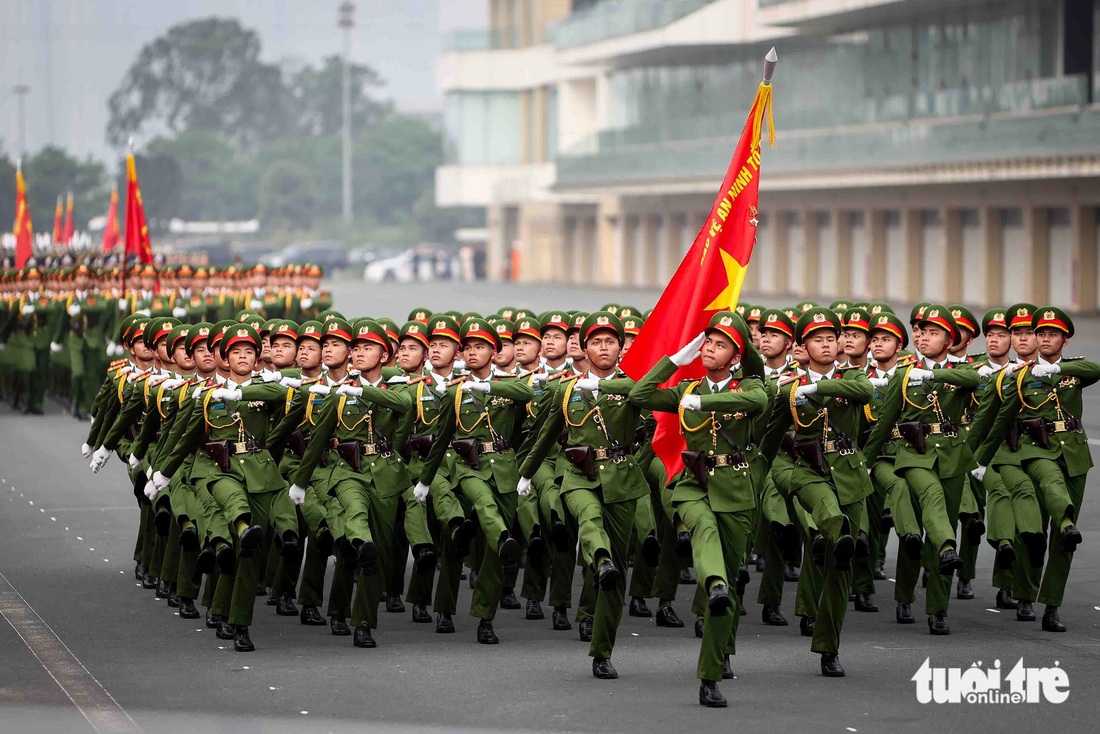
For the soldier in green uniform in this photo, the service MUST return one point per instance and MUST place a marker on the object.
(714, 496)
(1043, 403)
(478, 419)
(602, 482)
(232, 428)
(829, 476)
(922, 410)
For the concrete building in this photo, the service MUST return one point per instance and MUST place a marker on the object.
(927, 149)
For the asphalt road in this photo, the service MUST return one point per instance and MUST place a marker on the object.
(84, 648)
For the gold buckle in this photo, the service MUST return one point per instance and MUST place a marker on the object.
(935, 429)
(240, 447)
(830, 447)
(602, 454)
(369, 449)
(895, 433)
(722, 460)
(487, 447)
(1060, 427)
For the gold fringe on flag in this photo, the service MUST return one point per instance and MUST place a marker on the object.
(762, 106)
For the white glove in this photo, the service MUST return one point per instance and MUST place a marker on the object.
(255, 304)
(28, 309)
(74, 309)
(290, 382)
(803, 390)
(113, 348)
(1045, 370)
(271, 375)
(99, 458)
(85, 451)
(538, 379)
(349, 390)
(320, 389)
(179, 312)
(55, 347)
(524, 487)
(227, 393)
(985, 371)
(134, 462)
(297, 494)
(145, 312)
(126, 369)
(921, 375)
(122, 304)
(196, 395)
(172, 383)
(978, 473)
(459, 365)
(149, 472)
(306, 303)
(151, 491)
(160, 481)
(880, 381)
(587, 384)
(441, 388)
(1011, 367)
(691, 402)
(472, 386)
(689, 351)
(420, 492)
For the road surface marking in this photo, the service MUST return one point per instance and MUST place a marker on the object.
(89, 696)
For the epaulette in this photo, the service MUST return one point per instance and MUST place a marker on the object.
(457, 381)
(312, 381)
(504, 377)
(848, 368)
(143, 376)
(557, 376)
(156, 380)
(418, 380)
(788, 379)
(117, 363)
(907, 360)
(1072, 359)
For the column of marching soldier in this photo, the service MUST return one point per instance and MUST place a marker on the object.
(258, 447)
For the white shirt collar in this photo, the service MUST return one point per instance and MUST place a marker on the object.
(956, 360)
(1044, 361)
(814, 377)
(887, 373)
(718, 386)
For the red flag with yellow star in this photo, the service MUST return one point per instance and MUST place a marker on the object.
(710, 276)
(24, 234)
(137, 231)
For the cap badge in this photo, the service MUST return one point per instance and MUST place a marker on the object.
(603, 320)
(726, 321)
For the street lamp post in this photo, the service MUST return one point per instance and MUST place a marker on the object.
(21, 91)
(345, 22)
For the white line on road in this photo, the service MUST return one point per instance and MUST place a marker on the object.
(89, 696)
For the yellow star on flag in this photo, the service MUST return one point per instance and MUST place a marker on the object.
(735, 278)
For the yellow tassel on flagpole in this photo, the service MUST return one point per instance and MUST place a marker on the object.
(762, 106)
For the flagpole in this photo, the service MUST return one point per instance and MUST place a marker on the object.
(125, 266)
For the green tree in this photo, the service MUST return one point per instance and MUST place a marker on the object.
(204, 74)
(395, 162)
(216, 181)
(319, 101)
(51, 172)
(288, 197)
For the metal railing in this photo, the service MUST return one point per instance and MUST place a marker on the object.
(615, 18)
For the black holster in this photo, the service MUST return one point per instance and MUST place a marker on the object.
(696, 462)
(584, 459)
(219, 452)
(813, 453)
(469, 451)
(913, 432)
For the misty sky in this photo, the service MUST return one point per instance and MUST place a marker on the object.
(94, 42)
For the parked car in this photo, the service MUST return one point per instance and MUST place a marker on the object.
(250, 253)
(398, 269)
(329, 255)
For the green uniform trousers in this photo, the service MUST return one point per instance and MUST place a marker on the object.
(496, 512)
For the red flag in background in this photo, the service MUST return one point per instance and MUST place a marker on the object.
(67, 232)
(57, 222)
(710, 276)
(24, 234)
(111, 235)
(137, 231)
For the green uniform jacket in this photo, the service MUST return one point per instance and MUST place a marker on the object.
(575, 413)
(911, 400)
(368, 418)
(1055, 398)
(732, 410)
(841, 398)
(467, 414)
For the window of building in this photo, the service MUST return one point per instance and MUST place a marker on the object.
(483, 128)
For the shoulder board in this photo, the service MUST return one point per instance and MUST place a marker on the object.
(688, 380)
(154, 381)
(504, 377)
(457, 381)
(788, 379)
(118, 363)
(1071, 359)
(418, 380)
(848, 368)
(142, 376)
(557, 376)
(907, 360)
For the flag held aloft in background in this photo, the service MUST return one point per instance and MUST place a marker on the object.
(24, 235)
(710, 276)
(56, 237)
(137, 231)
(111, 236)
(67, 230)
